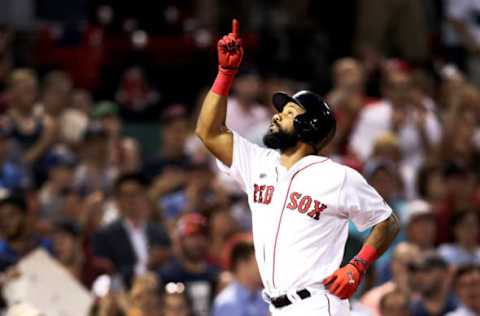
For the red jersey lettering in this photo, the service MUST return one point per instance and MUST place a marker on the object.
(305, 203)
(269, 194)
(293, 204)
(317, 209)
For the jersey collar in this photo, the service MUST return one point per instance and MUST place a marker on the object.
(302, 163)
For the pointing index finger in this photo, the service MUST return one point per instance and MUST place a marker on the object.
(235, 27)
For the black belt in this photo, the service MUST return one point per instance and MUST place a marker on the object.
(283, 300)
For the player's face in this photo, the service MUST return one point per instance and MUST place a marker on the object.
(281, 134)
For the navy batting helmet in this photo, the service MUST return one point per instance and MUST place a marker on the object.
(317, 125)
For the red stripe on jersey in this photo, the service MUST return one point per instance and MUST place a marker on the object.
(281, 215)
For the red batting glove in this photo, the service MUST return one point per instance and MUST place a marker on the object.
(344, 282)
(230, 54)
(230, 50)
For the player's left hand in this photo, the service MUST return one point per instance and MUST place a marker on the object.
(344, 282)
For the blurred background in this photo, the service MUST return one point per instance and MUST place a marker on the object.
(100, 168)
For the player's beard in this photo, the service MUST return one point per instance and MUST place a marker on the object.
(280, 140)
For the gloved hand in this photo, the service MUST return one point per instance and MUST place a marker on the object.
(230, 53)
(230, 50)
(344, 281)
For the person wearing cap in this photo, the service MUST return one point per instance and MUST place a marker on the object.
(431, 279)
(124, 151)
(190, 266)
(420, 225)
(243, 295)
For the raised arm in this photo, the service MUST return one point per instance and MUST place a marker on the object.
(211, 128)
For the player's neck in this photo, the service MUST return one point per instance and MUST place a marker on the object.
(291, 156)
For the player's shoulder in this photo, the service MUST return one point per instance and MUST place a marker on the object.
(331, 163)
(343, 172)
(326, 168)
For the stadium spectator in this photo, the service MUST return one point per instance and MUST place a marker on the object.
(420, 225)
(124, 151)
(466, 287)
(145, 297)
(57, 189)
(431, 279)
(347, 98)
(222, 227)
(31, 133)
(401, 277)
(67, 249)
(94, 171)
(171, 155)
(16, 230)
(190, 265)
(132, 243)
(465, 249)
(242, 296)
(135, 95)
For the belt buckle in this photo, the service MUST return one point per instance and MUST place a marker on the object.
(293, 297)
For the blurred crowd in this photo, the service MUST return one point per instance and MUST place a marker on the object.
(99, 165)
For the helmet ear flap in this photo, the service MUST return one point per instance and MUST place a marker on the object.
(306, 126)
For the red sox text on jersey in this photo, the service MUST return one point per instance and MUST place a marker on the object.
(304, 204)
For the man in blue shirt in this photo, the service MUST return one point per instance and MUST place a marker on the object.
(243, 296)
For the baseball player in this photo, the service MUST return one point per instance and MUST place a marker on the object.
(300, 202)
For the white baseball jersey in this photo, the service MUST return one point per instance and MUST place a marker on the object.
(300, 216)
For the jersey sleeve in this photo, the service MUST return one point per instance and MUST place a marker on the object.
(361, 203)
(245, 156)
